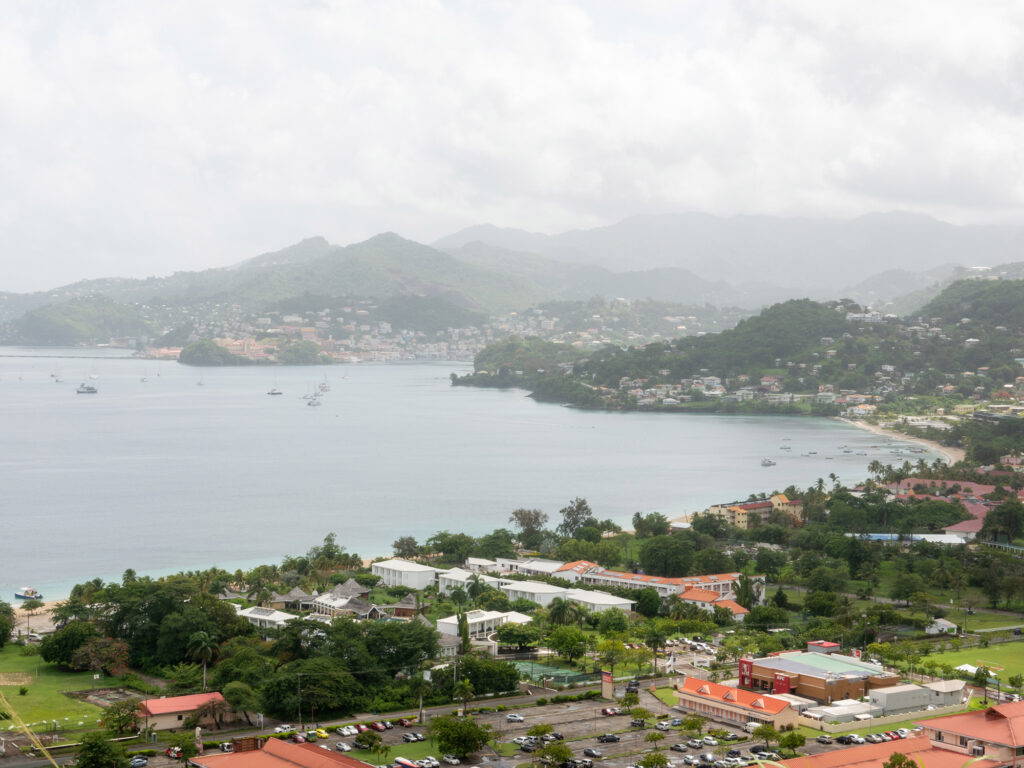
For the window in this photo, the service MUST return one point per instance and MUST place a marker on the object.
(180, 717)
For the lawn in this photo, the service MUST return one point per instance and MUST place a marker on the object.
(1009, 656)
(45, 700)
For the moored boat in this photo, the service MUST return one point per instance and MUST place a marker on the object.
(86, 389)
(766, 462)
(28, 593)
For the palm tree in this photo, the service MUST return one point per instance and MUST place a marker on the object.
(463, 692)
(459, 597)
(475, 587)
(203, 647)
(562, 611)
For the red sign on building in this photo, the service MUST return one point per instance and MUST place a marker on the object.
(606, 677)
(782, 684)
(746, 673)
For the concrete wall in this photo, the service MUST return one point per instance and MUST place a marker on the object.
(875, 723)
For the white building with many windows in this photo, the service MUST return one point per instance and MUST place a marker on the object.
(404, 573)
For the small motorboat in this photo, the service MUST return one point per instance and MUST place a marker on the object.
(86, 389)
(28, 593)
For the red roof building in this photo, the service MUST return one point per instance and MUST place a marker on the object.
(734, 705)
(277, 753)
(170, 711)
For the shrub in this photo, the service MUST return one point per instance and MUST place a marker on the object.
(29, 650)
(23, 691)
(542, 701)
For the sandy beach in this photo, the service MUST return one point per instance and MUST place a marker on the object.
(953, 455)
(41, 621)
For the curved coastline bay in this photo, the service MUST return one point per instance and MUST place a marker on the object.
(159, 474)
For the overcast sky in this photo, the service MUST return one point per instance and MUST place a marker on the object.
(141, 138)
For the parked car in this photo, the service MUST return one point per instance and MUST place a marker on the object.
(676, 721)
(608, 711)
(844, 739)
(874, 738)
(694, 744)
(139, 761)
(580, 763)
(528, 746)
(823, 739)
(691, 760)
(556, 736)
(348, 730)
(320, 733)
(341, 746)
(284, 728)
(430, 762)
(298, 738)
(591, 752)
(633, 686)
(733, 753)
(903, 732)
(663, 725)
(637, 723)
(362, 727)
(512, 717)
(450, 760)
(378, 726)
(608, 738)
(226, 746)
(419, 736)
(678, 747)
(174, 752)
(405, 722)
(710, 741)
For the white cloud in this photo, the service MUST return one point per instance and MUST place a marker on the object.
(140, 137)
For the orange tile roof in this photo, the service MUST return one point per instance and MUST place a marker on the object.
(918, 748)
(153, 707)
(579, 566)
(699, 595)
(735, 608)
(277, 753)
(1002, 724)
(736, 697)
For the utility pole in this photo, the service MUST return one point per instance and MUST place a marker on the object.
(298, 677)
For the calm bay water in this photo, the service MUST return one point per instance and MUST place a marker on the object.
(163, 474)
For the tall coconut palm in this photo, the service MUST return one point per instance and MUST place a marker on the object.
(562, 611)
(203, 647)
(475, 587)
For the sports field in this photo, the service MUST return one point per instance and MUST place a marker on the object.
(1004, 660)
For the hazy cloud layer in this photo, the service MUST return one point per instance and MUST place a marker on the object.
(141, 137)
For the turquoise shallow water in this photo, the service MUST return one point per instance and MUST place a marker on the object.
(163, 475)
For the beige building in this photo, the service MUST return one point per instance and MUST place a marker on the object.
(171, 711)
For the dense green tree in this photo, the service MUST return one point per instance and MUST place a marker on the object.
(97, 751)
(59, 647)
(563, 611)
(530, 523)
(670, 556)
(612, 621)
(459, 736)
(121, 717)
(568, 641)
(648, 602)
(322, 683)
(242, 698)
(574, 516)
(406, 546)
(520, 635)
(498, 543)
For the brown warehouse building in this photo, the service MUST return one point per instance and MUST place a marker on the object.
(819, 675)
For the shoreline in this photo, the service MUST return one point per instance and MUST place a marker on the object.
(952, 455)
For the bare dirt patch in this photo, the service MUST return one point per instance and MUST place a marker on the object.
(104, 697)
(15, 678)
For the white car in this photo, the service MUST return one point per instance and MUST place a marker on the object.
(854, 738)
(349, 730)
(450, 760)
(341, 746)
(284, 728)
(512, 717)
(710, 741)
(664, 725)
(904, 732)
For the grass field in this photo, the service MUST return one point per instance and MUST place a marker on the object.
(1005, 660)
(45, 700)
